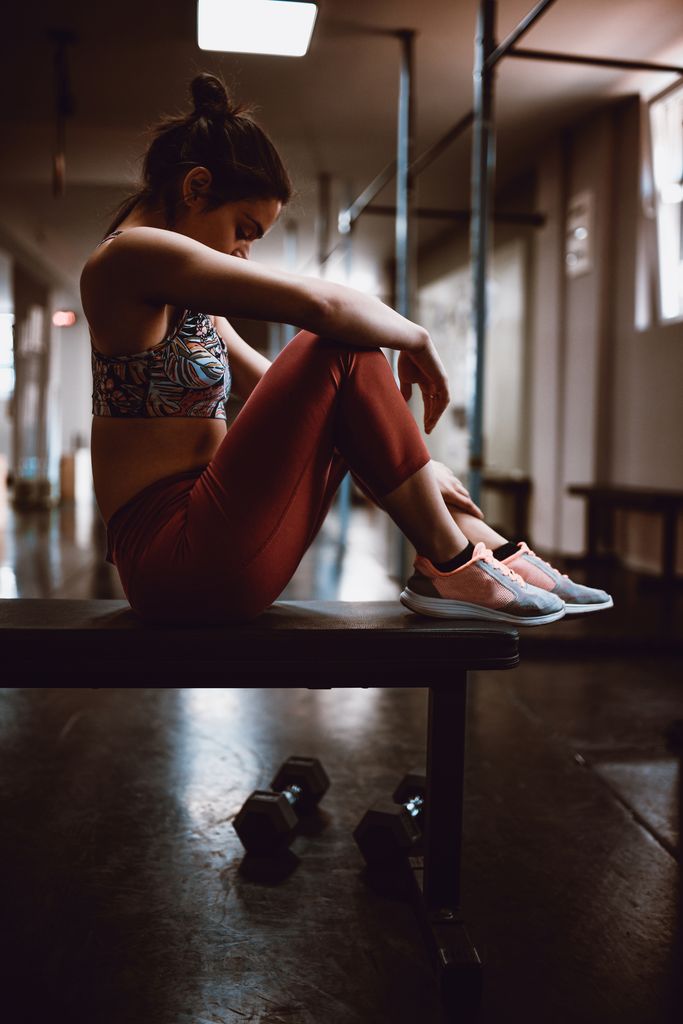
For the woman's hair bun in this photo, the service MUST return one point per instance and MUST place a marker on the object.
(210, 96)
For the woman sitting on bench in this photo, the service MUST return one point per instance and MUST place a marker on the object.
(209, 525)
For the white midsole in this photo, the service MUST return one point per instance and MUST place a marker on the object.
(581, 609)
(444, 608)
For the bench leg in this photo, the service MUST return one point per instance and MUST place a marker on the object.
(436, 875)
(445, 785)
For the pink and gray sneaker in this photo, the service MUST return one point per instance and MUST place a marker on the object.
(577, 599)
(483, 588)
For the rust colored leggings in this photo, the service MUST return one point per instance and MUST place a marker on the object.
(221, 542)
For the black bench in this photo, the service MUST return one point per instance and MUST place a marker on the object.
(308, 644)
(603, 500)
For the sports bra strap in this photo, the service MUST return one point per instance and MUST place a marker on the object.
(112, 234)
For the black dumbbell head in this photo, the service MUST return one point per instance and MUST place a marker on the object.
(265, 823)
(309, 775)
(385, 833)
(412, 784)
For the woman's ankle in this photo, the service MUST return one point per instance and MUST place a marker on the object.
(457, 561)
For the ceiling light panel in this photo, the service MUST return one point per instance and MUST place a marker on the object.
(277, 27)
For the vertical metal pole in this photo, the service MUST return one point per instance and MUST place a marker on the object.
(324, 230)
(324, 219)
(405, 144)
(405, 253)
(344, 500)
(483, 170)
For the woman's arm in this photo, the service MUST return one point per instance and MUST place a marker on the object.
(160, 267)
(154, 268)
(247, 366)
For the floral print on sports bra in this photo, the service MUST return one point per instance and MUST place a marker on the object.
(187, 374)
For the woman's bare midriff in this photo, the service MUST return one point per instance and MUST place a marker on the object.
(130, 454)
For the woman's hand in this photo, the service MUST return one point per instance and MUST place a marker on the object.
(453, 491)
(423, 366)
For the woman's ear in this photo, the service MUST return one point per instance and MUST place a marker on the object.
(196, 185)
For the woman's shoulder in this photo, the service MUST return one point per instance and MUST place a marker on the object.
(124, 242)
(133, 256)
(121, 320)
(118, 263)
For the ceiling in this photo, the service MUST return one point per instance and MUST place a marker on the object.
(332, 111)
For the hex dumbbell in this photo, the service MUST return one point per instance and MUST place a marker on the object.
(391, 829)
(268, 818)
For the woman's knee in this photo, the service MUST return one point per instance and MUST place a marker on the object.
(329, 346)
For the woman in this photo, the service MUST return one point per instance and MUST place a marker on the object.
(209, 525)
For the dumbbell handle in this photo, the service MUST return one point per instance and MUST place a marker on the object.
(414, 805)
(292, 793)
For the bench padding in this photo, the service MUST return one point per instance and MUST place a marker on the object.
(293, 643)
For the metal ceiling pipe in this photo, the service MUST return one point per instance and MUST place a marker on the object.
(532, 220)
(600, 62)
(525, 24)
(349, 216)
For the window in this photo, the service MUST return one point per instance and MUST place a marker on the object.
(6, 355)
(666, 122)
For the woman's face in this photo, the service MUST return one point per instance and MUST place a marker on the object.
(231, 227)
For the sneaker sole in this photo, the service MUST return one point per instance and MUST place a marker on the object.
(443, 608)
(581, 609)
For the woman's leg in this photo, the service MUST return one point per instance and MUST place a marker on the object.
(251, 515)
(477, 530)
(473, 529)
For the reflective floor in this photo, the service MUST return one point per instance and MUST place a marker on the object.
(125, 896)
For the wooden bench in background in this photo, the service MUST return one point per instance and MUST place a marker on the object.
(298, 644)
(604, 500)
(517, 488)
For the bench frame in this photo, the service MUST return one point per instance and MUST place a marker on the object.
(295, 643)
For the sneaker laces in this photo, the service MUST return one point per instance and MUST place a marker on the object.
(527, 551)
(484, 554)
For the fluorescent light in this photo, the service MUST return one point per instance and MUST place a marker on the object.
(280, 27)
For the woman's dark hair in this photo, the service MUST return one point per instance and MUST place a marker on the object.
(218, 135)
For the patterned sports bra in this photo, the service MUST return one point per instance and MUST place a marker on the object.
(187, 374)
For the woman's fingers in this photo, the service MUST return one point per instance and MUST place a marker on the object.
(435, 404)
(460, 498)
(465, 505)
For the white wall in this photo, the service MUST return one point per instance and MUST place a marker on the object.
(586, 332)
(445, 309)
(6, 306)
(73, 380)
(646, 417)
(546, 347)
(606, 400)
(70, 387)
(505, 384)
(600, 400)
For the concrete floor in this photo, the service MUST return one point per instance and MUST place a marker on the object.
(125, 896)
